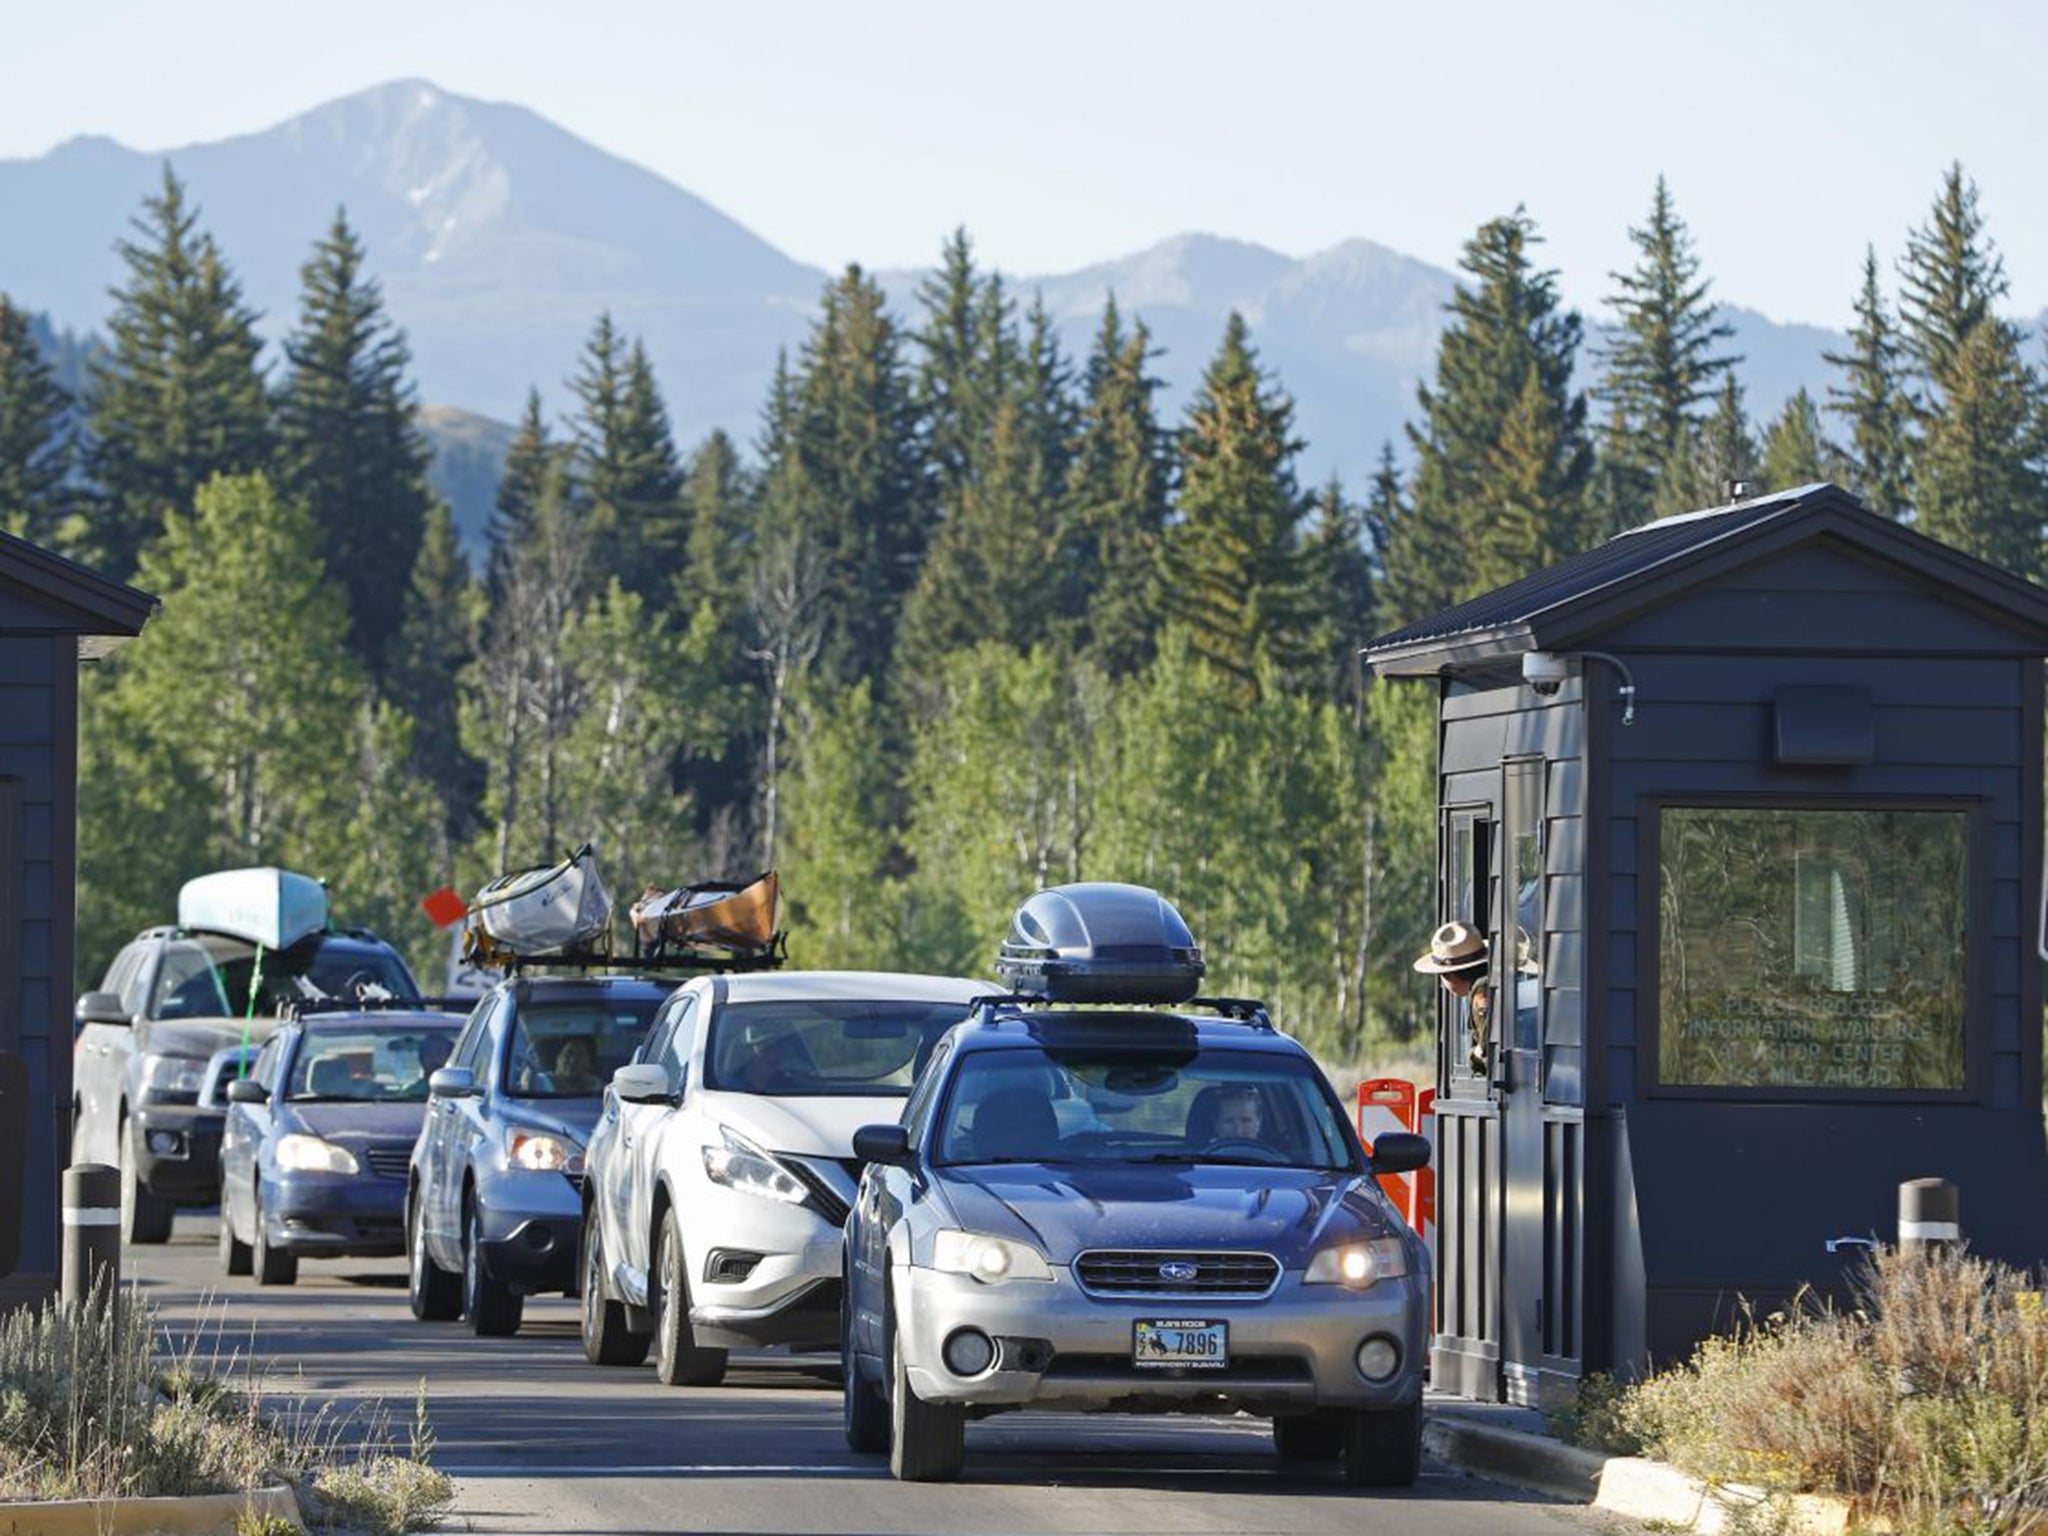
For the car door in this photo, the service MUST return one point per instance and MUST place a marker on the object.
(663, 1132)
(884, 1196)
(101, 1058)
(440, 1155)
(242, 1135)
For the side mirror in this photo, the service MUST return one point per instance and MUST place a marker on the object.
(1400, 1152)
(452, 1083)
(882, 1144)
(246, 1090)
(103, 1008)
(642, 1082)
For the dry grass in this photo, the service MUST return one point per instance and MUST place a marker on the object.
(1926, 1401)
(94, 1405)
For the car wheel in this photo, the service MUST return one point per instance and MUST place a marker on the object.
(678, 1360)
(145, 1217)
(862, 1406)
(235, 1258)
(436, 1295)
(927, 1441)
(273, 1266)
(494, 1308)
(606, 1338)
(1383, 1447)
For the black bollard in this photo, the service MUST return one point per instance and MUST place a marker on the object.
(1930, 1216)
(92, 1232)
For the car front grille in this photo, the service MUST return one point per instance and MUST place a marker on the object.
(389, 1162)
(1165, 1272)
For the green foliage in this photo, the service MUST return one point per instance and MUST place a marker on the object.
(1664, 360)
(434, 647)
(178, 396)
(1980, 466)
(849, 907)
(348, 449)
(1794, 451)
(1871, 397)
(1503, 462)
(35, 445)
(1721, 453)
(528, 462)
(625, 465)
(1400, 854)
(1235, 576)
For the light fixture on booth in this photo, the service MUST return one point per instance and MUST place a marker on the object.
(1545, 672)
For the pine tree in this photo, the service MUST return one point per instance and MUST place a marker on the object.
(1663, 362)
(715, 501)
(179, 396)
(1872, 399)
(1722, 456)
(1502, 459)
(527, 465)
(1979, 480)
(1118, 485)
(863, 493)
(950, 393)
(35, 444)
(1795, 452)
(1341, 588)
(1233, 568)
(348, 446)
(432, 651)
(625, 464)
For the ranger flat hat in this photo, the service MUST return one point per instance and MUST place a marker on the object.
(1453, 947)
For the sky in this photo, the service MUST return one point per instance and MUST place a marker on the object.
(1063, 132)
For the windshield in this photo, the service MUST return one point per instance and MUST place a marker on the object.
(569, 1049)
(367, 1065)
(1175, 1105)
(211, 976)
(810, 1048)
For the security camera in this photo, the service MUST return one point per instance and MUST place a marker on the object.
(1544, 671)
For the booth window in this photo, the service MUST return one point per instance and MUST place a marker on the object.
(1806, 950)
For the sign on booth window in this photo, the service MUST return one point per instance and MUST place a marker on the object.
(1812, 949)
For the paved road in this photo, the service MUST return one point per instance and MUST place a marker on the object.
(541, 1442)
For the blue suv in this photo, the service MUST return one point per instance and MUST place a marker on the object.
(494, 1193)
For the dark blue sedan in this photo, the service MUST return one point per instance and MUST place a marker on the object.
(318, 1137)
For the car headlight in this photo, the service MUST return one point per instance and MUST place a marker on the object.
(988, 1259)
(309, 1154)
(163, 1076)
(1360, 1266)
(542, 1152)
(738, 1164)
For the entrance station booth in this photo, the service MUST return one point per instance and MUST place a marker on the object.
(1749, 805)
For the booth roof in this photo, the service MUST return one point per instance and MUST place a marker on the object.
(66, 598)
(1570, 602)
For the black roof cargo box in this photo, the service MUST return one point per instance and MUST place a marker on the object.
(1101, 943)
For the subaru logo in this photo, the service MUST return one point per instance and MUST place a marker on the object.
(1178, 1271)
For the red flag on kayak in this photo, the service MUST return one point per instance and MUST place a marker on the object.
(445, 907)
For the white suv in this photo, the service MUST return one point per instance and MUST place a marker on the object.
(722, 1167)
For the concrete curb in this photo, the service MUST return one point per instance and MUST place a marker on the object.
(203, 1514)
(1629, 1486)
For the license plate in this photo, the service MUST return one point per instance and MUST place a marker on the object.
(1180, 1342)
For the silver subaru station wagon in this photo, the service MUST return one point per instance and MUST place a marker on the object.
(1108, 1209)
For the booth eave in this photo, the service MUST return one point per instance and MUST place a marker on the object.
(1572, 603)
(76, 600)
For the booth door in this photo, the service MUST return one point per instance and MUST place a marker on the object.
(1466, 1358)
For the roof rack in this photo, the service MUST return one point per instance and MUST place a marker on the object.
(658, 961)
(298, 1008)
(1240, 1010)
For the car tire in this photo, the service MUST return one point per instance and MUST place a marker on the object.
(493, 1307)
(606, 1338)
(435, 1293)
(272, 1266)
(1383, 1447)
(235, 1255)
(145, 1217)
(863, 1409)
(927, 1441)
(679, 1361)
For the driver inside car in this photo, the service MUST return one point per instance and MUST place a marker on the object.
(1223, 1113)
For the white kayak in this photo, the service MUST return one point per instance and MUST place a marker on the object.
(269, 906)
(557, 909)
